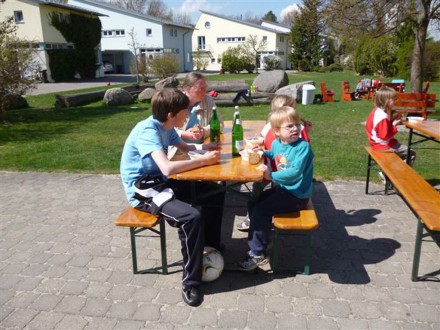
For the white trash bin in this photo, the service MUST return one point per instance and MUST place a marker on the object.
(308, 94)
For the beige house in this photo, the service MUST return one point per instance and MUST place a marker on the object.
(32, 20)
(215, 33)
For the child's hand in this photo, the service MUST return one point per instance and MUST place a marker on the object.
(195, 133)
(211, 157)
(265, 169)
(211, 146)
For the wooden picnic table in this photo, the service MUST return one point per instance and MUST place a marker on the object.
(428, 130)
(229, 168)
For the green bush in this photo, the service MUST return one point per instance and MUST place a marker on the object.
(335, 67)
(271, 62)
(163, 65)
(232, 60)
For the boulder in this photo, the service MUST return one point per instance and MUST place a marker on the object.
(146, 95)
(293, 89)
(167, 82)
(117, 96)
(15, 101)
(271, 81)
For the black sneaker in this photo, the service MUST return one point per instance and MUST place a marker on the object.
(191, 295)
(251, 263)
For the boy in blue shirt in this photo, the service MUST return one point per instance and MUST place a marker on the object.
(145, 152)
(292, 183)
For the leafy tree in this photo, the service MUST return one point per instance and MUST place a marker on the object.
(85, 33)
(16, 64)
(232, 60)
(163, 65)
(305, 37)
(350, 18)
(270, 17)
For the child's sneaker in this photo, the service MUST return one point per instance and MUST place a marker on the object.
(244, 226)
(382, 177)
(250, 263)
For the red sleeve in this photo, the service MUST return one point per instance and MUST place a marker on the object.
(385, 130)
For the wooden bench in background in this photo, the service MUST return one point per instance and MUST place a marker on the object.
(418, 194)
(138, 222)
(415, 103)
(347, 95)
(327, 95)
(294, 223)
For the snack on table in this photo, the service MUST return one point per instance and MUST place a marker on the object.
(195, 129)
(254, 157)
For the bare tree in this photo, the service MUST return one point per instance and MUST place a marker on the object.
(350, 18)
(134, 5)
(157, 8)
(252, 46)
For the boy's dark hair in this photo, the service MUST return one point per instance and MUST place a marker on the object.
(168, 100)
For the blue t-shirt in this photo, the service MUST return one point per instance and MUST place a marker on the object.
(147, 136)
(294, 164)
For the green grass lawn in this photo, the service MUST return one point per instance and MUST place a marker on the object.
(90, 138)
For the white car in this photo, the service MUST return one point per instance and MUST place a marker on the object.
(107, 66)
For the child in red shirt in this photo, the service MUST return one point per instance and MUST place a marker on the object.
(381, 129)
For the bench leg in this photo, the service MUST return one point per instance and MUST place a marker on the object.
(163, 246)
(417, 251)
(367, 182)
(163, 249)
(275, 250)
(133, 249)
(308, 252)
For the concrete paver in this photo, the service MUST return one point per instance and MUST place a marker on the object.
(64, 265)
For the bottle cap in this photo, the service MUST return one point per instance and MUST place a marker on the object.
(237, 107)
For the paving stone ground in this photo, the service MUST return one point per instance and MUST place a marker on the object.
(64, 265)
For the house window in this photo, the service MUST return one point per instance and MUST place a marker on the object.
(219, 60)
(175, 32)
(212, 60)
(149, 32)
(18, 16)
(201, 43)
(265, 38)
(207, 24)
(171, 33)
(281, 39)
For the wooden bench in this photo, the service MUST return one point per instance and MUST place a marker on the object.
(415, 103)
(138, 222)
(347, 95)
(418, 194)
(327, 95)
(302, 222)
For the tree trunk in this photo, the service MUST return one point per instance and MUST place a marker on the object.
(419, 46)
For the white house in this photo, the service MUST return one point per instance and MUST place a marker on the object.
(152, 36)
(32, 20)
(215, 33)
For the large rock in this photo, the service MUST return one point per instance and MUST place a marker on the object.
(15, 101)
(146, 95)
(293, 89)
(271, 81)
(167, 82)
(117, 96)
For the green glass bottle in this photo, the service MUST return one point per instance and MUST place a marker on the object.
(237, 132)
(214, 127)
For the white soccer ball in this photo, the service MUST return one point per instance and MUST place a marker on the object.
(213, 264)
